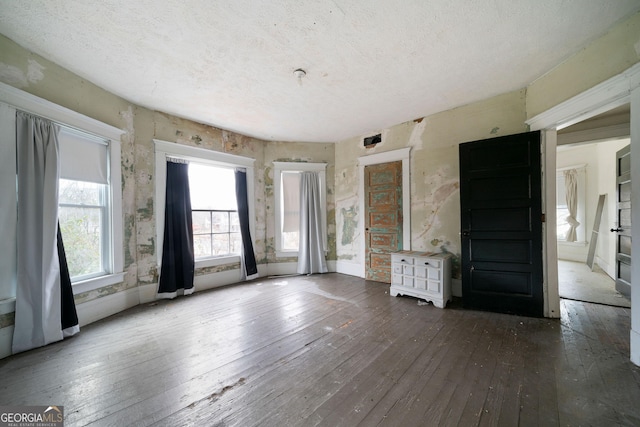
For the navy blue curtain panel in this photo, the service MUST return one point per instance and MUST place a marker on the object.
(68, 315)
(249, 257)
(177, 253)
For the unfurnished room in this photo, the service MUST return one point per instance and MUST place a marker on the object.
(331, 213)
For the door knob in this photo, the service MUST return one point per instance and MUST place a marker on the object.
(466, 233)
(616, 230)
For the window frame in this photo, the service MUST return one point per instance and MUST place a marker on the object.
(278, 169)
(164, 149)
(105, 228)
(20, 100)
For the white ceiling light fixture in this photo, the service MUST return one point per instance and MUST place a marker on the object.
(299, 74)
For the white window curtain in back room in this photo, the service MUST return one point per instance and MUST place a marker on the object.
(311, 257)
(42, 313)
(571, 191)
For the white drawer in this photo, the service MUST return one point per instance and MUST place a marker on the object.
(421, 271)
(431, 262)
(433, 286)
(401, 259)
(397, 268)
(407, 281)
(396, 279)
(433, 274)
(421, 284)
(407, 270)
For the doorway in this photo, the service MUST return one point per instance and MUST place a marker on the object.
(401, 155)
(586, 159)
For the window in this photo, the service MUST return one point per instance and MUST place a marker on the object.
(562, 211)
(90, 201)
(83, 214)
(216, 228)
(287, 201)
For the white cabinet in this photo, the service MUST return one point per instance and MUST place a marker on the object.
(423, 275)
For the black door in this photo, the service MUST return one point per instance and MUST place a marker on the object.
(623, 222)
(500, 198)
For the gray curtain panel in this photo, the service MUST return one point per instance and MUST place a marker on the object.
(38, 310)
(311, 257)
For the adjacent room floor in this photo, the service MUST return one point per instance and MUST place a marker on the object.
(333, 350)
(578, 282)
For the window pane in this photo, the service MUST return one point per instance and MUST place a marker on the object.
(202, 246)
(220, 222)
(290, 241)
(236, 243)
(212, 187)
(79, 193)
(235, 222)
(220, 244)
(81, 229)
(201, 222)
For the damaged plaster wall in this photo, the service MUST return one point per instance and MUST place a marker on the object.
(34, 74)
(296, 152)
(434, 140)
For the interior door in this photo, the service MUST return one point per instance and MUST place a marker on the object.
(501, 219)
(383, 218)
(623, 221)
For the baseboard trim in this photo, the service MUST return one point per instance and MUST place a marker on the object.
(635, 347)
(349, 268)
(6, 340)
(99, 308)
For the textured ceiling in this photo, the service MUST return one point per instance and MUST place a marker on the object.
(370, 64)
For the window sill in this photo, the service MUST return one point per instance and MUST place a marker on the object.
(578, 243)
(286, 254)
(97, 283)
(213, 262)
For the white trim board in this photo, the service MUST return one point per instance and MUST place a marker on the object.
(374, 159)
(609, 94)
(33, 104)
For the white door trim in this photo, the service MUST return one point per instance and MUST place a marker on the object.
(374, 159)
(618, 90)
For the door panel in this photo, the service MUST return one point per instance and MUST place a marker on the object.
(501, 219)
(623, 225)
(383, 218)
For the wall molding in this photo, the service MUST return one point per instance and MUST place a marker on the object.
(605, 96)
(33, 104)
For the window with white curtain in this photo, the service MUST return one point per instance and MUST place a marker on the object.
(90, 194)
(562, 210)
(84, 204)
(287, 204)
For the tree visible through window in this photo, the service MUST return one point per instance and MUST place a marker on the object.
(83, 218)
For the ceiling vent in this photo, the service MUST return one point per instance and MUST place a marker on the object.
(370, 141)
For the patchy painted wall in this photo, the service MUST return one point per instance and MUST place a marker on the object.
(296, 152)
(33, 74)
(602, 59)
(435, 205)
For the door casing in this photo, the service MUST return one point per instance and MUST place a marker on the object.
(374, 159)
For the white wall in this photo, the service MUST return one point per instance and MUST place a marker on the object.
(600, 179)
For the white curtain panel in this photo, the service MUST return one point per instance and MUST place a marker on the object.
(311, 257)
(38, 311)
(571, 191)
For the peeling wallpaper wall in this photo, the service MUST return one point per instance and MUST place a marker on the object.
(435, 205)
(34, 74)
(434, 141)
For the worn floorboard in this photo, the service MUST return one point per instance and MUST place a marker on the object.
(333, 350)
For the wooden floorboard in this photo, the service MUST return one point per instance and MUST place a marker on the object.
(333, 350)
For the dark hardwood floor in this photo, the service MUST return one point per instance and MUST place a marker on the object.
(333, 350)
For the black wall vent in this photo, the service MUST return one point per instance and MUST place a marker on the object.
(372, 140)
